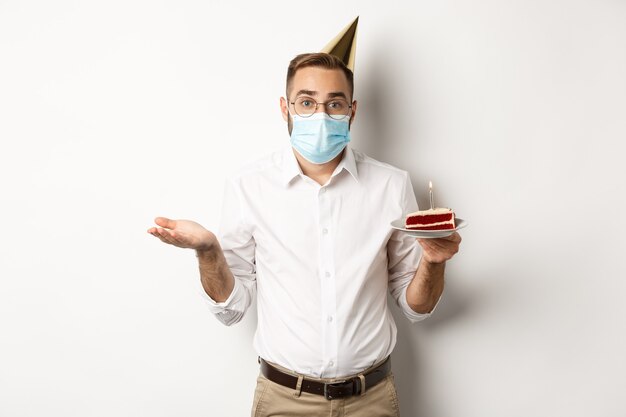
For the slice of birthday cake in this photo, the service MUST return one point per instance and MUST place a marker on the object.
(431, 219)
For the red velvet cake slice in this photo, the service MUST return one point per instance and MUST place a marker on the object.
(431, 219)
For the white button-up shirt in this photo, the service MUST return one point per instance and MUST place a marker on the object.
(320, 260)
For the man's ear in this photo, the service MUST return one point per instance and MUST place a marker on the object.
(284, 108)
(352, 116)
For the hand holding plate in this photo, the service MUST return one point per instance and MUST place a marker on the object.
(440, 250)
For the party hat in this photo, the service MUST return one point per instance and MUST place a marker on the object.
(343, 46)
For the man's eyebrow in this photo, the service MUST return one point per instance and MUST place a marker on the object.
(337, 94)
(306, 93)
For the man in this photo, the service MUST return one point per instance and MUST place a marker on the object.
(308, 231)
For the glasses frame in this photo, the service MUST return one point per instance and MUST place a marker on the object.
(324, 103)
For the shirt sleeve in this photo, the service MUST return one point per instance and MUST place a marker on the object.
(404, 254)
(237, 242)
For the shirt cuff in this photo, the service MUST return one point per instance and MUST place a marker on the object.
(231, 302)
(411, 314)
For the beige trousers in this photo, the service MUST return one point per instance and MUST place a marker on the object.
(275, 400)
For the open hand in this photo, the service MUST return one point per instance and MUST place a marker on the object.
(440, 250)
(183, 233)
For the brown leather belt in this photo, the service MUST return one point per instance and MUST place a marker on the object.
(339, 389)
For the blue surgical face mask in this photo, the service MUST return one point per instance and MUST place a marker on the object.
(319, 138)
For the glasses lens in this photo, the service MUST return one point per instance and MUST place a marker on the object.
(305, 106)
(337, 108)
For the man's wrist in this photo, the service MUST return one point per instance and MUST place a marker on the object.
(209, 244)
(430, 264)
(207, 252)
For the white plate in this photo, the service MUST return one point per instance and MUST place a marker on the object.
(428, 234)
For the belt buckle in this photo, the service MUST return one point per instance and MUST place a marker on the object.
(328, 395)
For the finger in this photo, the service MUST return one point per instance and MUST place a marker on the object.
(165, 236)
(154, 232)
(427, 245)
(433, 254)
(165, 222)
(177, 238)
(430, 253)
(447, 243)
(433, 244)
(454, 237)
(158, 236)
(440, 247)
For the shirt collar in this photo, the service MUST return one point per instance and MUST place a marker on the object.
(291, 168)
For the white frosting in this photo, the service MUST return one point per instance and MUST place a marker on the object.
(439, 210)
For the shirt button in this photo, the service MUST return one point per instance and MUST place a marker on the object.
(330, 319)
(322, 190)
(327, 274)
(325, 231)
(331, 363)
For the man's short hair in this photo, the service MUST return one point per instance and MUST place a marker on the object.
(318, 59)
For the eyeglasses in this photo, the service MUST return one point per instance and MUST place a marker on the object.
(336, 108)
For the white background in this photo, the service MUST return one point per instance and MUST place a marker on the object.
(112, 113)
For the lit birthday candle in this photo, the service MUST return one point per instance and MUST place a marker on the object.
(432, 201)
